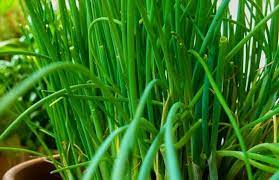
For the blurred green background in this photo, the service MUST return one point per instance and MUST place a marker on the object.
(13, 69)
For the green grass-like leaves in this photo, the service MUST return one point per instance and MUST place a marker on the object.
(155, 89)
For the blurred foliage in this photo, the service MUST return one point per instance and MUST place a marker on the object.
(11, 73)
(15, 68)
(11, 18)
(6, 5)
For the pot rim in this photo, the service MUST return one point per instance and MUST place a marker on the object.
(11, 173)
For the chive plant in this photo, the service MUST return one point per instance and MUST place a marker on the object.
(155, 89)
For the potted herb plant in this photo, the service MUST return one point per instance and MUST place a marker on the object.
(156, 89)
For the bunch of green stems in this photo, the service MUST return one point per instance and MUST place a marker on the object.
(174, 89)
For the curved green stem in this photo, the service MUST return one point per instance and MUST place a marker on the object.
(171, 157)
(130, 136)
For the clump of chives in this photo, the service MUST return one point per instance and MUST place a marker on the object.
(147, 89)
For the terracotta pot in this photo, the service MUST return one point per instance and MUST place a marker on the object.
(36, 169)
